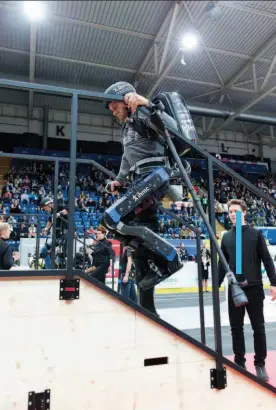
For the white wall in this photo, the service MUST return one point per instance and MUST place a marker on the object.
(13, 119)
(235, 143)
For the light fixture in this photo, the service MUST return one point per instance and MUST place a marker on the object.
(182, 60)
(35, 10)
(189, 41)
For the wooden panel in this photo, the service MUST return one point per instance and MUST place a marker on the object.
(91, 353)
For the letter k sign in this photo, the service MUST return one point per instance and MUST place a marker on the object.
(59, 130)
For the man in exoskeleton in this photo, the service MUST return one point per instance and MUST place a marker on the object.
(146, 171)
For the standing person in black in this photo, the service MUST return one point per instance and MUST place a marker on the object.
(102, 253)
(47, 204)
(254, 251)
(7, 257)
(205, 263)
(61, 224)
(128, 289)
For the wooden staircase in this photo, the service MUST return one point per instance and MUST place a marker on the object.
(5, 166)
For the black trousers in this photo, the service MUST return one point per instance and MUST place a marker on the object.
(149, 219)
(255, 310)
(100, 272)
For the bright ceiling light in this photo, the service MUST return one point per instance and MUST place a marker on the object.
(35, 10)
(189, 41)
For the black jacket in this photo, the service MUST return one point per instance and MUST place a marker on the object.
(102, 253)
(254, 251)
(6, 259)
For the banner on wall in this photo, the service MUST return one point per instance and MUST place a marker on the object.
(185, 280)
(239, 166)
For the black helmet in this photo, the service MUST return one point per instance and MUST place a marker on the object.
(46, 201)
(121, 88)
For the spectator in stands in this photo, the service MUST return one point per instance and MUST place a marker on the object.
(11, 220)
(183, 253)
(173, 207)
(182, 233)
(15, 207)
(7, 256)
(41, 192)
(60, 198)
(100, 206)
(162, 227)
(81, 206)
(4, 210)
(25, 197)
(7, 195)
(128, 289)
(32, 231)
(33, 197)
(205, 263)
(100, 189)
(254, 251)
(106, 201)
(102, 253)
(82, 196)
(204, 201)
(24, 232)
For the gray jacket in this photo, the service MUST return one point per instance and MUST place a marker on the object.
(135, 149)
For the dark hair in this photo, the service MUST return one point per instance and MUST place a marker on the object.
(102, 229)
(239, 202)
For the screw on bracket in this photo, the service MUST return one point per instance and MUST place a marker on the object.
(218, 378)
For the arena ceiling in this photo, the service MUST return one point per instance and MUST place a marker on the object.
(90, 44)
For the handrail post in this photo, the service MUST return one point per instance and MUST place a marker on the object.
(215, 279)
(53, 251)
(72, 185)
(37, 247)
(200, 291)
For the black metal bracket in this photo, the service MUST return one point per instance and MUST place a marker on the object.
(69, 289)
(39, 401)
(218, 378)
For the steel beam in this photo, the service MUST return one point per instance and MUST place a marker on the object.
(237, 113)
(205, 94)
(123, 69)
(261, 50)
(45, 126)
(254, 75)
(203, 43)
(169, 37)
(160, 78)
(33, 37)
(250, 81)
(240, 7)
(256, 130)
(208, 110)
(268, 74)
(222, 97)
(156, 57)
(156, 39)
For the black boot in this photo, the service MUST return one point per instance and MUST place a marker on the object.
(262, 373)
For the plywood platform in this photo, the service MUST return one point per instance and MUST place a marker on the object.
(90, 353)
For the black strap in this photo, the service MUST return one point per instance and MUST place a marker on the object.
(141, 128)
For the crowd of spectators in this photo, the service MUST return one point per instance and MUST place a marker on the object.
(29, 182)
(259, 213)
